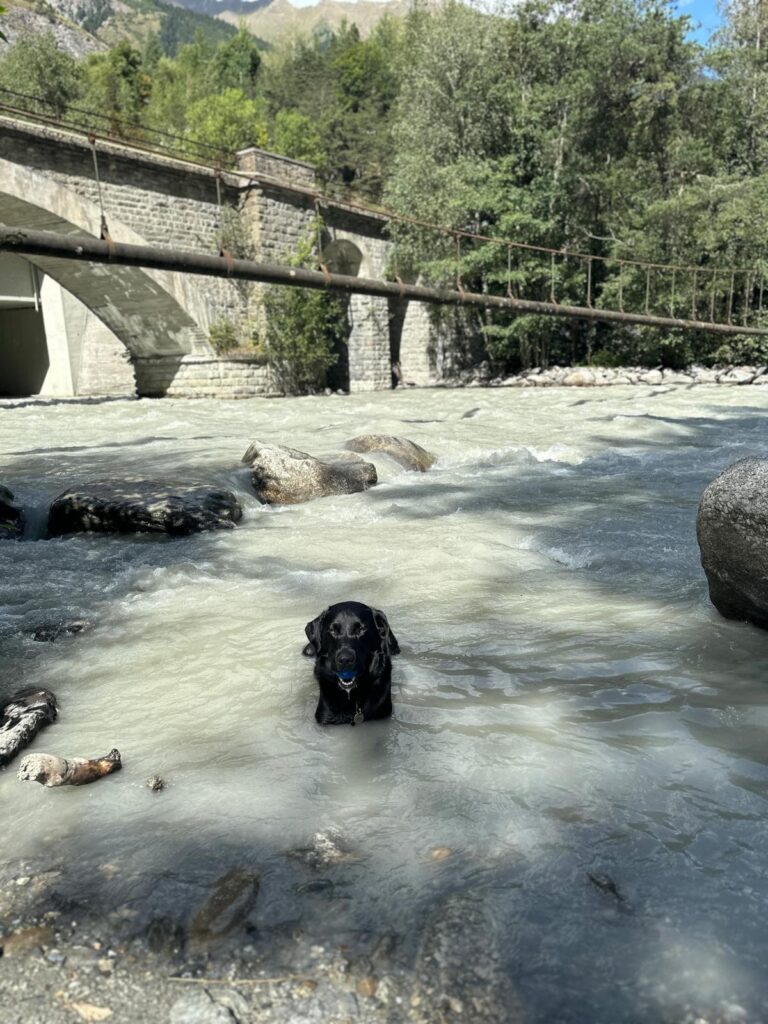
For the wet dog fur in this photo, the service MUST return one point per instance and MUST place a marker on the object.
(352, 645)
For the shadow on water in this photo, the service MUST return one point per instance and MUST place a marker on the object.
(615, 541)
(37, 403)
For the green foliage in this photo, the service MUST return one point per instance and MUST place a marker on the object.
(343, 89)
(227, 121)
(177, 85)
(223, 336)
(180, 27)
(591, 125)
(296, 136)
(303, 329)
(35, 67)
(236, 64)
(118, 87)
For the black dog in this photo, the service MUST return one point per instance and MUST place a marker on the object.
(352, 644)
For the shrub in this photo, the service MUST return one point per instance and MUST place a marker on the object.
(304, 327)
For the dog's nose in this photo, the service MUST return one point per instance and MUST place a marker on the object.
(345, 658)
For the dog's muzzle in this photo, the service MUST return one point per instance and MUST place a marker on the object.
(347, 680)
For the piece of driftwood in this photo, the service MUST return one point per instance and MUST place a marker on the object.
(22, 716)
(50, 770)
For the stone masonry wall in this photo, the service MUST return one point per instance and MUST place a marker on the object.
(168, 202)
(174, 204)
(197, 376)
(282, 221)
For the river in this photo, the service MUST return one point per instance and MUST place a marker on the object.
(567, 701)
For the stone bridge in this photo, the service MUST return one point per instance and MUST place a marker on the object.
(79, 328)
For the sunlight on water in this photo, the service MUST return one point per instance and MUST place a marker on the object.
(567, 701)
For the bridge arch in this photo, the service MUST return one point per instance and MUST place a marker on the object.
(151, 312)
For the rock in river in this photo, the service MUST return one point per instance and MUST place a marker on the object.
(284, 476)
(140, 506)
(11, 516)
(407, 453)
(732, 529)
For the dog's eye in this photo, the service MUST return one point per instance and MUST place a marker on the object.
(335, 631)
(358, 629)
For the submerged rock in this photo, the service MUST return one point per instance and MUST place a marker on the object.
(407, 453)
(226, 909)
(285, 476)
(141, 506)
(11, 515)
(732, 530)
(459, 971)
(50, 632)
(326, 849)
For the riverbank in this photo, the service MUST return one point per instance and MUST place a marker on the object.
(603, 376)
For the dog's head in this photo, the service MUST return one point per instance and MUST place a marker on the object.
(351, 642)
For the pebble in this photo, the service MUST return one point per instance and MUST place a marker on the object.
(367, 987)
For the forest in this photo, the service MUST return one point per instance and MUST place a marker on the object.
(594, 126)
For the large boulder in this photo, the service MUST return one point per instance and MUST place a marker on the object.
(141, 506)
(285, 476)
(407, 453)
(581, 377)
(732, 529)
(11, 516)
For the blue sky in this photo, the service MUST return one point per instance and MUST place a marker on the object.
(703, 14)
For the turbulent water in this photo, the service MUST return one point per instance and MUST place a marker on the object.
(567, 702)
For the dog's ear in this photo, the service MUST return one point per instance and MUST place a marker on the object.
(389, 644)
(314, 631)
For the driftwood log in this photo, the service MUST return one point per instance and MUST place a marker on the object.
(22, 716)
(50, 770)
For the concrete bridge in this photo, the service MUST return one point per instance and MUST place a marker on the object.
(77, 328)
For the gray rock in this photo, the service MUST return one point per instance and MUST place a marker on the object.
(285, 476)
(738, 375)
(11, 515)
(406, 453)
(140, 506)
(459, 974)
(199, 1008)
(732, 530)
(652, 377)
(579, 378)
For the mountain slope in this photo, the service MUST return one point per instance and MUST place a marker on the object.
(272, 19)
(85, 26)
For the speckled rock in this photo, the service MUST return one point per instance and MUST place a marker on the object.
(406, 453)
(732, 530)
(285, 476)
(140, 506)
